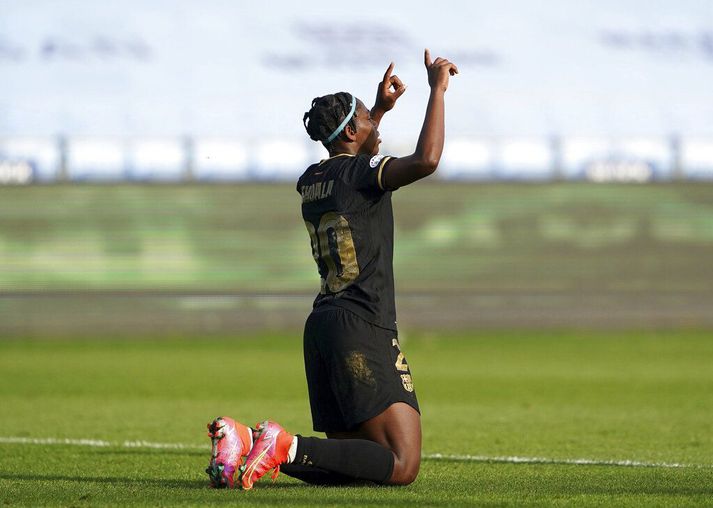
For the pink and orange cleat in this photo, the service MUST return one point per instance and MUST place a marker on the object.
(231, 442)
(269, 451)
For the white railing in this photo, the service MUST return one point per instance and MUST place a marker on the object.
(629, 159)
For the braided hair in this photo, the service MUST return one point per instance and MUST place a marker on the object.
(325, 115)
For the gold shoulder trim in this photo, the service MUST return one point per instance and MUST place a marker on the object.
(334, 157)
(381, 168)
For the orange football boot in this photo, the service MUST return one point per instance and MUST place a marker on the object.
(269, 451)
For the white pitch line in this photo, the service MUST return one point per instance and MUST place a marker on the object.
(164, 446)
(575, 462)
(99, 443)
(55, 441)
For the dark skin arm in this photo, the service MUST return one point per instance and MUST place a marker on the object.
(425, 159)
(387, 93)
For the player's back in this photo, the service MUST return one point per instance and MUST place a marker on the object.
(349, 218)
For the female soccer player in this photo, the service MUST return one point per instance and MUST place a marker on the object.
(360, 387)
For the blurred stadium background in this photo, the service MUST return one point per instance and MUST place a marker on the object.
(148, 153)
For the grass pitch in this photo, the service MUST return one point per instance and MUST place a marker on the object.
(645, 397)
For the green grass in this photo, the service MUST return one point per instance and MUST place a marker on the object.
(601, 396)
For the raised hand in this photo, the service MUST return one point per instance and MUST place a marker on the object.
(429, 148)
(389, 90)
(438, 71)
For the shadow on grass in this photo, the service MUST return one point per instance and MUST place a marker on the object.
(565, 484)
(158, 482)
(197, 492)
(154, 482)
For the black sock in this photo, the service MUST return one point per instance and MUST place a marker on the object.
(316, 476)
(356, 458)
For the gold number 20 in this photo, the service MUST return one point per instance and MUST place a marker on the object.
(332, 243)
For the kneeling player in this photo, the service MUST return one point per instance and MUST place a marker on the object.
(360, 387)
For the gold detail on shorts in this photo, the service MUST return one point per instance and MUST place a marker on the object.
(407, 382)
(359, 369)
(400, 364)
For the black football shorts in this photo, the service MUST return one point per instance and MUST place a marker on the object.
(355, 370)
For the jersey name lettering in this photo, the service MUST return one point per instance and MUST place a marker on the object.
(319, 190)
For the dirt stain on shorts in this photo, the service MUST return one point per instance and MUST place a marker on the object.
(359, 369)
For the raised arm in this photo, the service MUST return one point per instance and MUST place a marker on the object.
(425, 159)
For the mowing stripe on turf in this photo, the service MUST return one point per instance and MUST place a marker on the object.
(100, 443)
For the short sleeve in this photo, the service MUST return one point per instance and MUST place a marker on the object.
(366, 172)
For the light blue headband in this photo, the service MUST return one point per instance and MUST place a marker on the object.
(344, 123)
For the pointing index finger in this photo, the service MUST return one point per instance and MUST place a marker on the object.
(387, 74)
(427, 58)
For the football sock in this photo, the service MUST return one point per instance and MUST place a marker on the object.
(316, 476)
(356, 458)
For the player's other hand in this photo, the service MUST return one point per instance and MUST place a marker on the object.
(438, 71)
(389, 90)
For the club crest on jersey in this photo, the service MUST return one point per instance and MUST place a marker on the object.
(407, 382)
(375, 160)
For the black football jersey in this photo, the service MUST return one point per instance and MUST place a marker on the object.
(349, 218)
